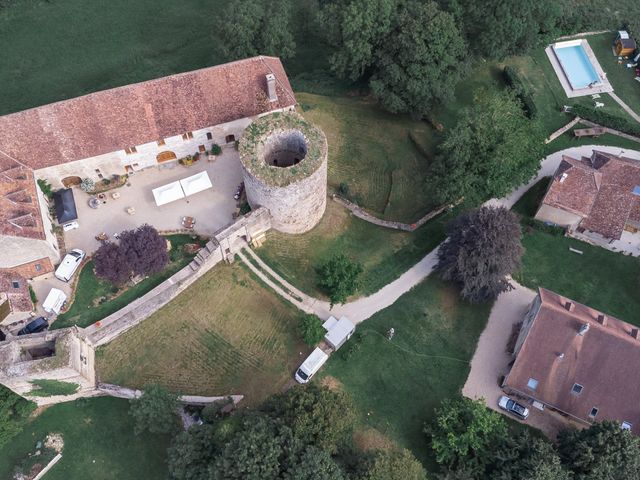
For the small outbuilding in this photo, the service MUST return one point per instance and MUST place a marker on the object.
(338, 331)
(624, 45)
(65, 206)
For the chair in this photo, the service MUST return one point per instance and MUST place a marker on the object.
(131, 210)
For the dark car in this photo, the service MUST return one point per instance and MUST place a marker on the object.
(34, 326)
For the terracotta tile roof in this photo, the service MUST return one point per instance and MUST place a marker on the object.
(600, 189)
(111, 120)
(19, 208)
(19, 297)
(604, 361)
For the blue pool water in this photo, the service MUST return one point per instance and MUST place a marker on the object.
(577, 66)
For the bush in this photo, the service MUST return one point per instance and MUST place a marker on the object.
(216, 149)
(513, 80)
(339, 278)
(343, 189)
(32, 294)
(46, 188)
(155, 411)
(554, 230)
(606, 119)
(311, 329)
(87, 185)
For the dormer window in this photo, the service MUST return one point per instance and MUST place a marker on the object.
(160, 142)
(209, 136)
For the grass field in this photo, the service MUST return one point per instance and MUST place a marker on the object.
(397, 384)
(604, 280)
(86, 308)
(99, 443)
(226, 334)
(384, 253)
(371, 151)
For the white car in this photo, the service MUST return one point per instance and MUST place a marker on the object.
(513, 407)
(69, 264)
(70, 226)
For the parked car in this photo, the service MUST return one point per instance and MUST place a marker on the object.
(513, 407)
(34, 326)
(70, 226)
(311, 366)
(70, 264)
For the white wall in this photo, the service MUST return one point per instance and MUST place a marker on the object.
(15, 251)
(50, 237)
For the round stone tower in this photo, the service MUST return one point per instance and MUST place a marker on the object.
(284, 164)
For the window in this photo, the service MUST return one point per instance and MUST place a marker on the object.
(576, 389)
(626, 426)
(15, 284)
(97, 170)
(202, 149)
(136, 165)
(230, 138)
(130, 150)
(187, 136)
(160, 142)
(532, 383)
(38, 267)
(209, 136)
(593, 412)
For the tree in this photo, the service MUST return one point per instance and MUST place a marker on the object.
(110, 263)
(356, 29)
(421, 61)
(311, 329)
(339, 278)
(192, 452)
(464, 432)
(314, 464)
(316, 415)
(250, 27)
(155, 411)
(498, 28)
(14, 412)
(520, 457)
(393, 465)
(603, 451)
(483, 247)
(260, 449)
(493, 148)
(145, 250)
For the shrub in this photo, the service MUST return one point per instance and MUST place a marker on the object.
(216, 149)
(32, 294)
(106, 182)
(554, 230)
(46, 188)
(311, 329)
(606, 119)
(155, 411)
(343, 189)
(513, 80)
(87, 185)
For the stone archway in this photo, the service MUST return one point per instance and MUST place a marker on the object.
(166, 156)
(71, 181)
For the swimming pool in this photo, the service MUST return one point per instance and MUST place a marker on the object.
(576, 65)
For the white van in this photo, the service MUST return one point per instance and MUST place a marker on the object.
(54, 301)
(70, 264)
(311, 366)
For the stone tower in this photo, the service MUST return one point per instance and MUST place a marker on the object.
(284, 164)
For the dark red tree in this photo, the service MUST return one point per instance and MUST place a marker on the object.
(145, 250)
(110, 263)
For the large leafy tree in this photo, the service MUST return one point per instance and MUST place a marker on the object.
(110, 263)
(155, 411)
(316, 415)
(145, 250)
(464, 432)
(393, 465)
(311, 329)
(251, 27)
(192, 452)
(483, 247)
(493, 148)
(421, 60)
(603, 451)
(497, 28)
(356, 29)
(14, 412)
(314, 464)
(339, 278)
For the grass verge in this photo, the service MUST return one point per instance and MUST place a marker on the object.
(49, 388)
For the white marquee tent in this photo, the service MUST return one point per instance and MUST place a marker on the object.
(195, 183)
(168, 193)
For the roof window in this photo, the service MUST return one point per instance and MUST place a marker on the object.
(593, 412)
(576, 389)
(532, 383)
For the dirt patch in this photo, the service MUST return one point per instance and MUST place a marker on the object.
(449, 298)
(54, 441)
(39, 410)
(371, 439)
(332, 383)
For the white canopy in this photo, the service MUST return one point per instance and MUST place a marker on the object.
(196, 183)
(168, 193)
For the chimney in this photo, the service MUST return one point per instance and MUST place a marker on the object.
(584, 328)
(569, 305)
(602, 319)
(271, 87)
(634, 333)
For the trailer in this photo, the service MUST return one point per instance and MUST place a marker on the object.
(338, 331)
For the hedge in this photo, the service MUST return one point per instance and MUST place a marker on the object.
(513, 80)
(606, 119)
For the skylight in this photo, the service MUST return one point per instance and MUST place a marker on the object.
(636, 190)
(593, 412)
(577, 389)
(532, 383)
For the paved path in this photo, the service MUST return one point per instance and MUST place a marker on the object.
(626, 107)
(364, 307)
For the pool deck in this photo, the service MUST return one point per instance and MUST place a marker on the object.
(604, 87)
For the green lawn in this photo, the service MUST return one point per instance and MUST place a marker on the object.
(384, 253)
(226, 334)
(397, 384)
(86, 308)
(99, 443)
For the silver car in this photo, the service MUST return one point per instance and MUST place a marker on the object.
(513, 407)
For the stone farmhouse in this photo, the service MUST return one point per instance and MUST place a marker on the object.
(578, 361)
(116, 132)
(598, 197)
